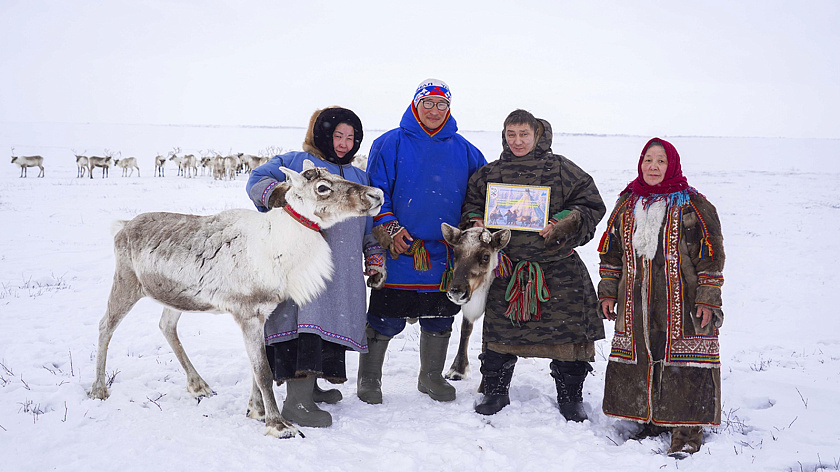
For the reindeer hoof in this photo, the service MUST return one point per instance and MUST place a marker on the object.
(99, 393)
(283, 431)
(255, 414)
(454, 374)
(200, 391)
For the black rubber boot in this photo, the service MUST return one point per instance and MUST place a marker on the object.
(369, 381)
(299, 406)
(497, 370)
(569, 377)
(433, 348)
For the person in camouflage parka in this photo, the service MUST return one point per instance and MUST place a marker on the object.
(566, 322)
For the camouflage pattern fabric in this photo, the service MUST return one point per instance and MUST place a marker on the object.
(571, 314)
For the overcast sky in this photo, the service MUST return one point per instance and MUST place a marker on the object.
(712, 68)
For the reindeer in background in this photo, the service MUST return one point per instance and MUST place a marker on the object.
(28, 161)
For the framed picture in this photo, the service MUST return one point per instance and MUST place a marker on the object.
(522, 207)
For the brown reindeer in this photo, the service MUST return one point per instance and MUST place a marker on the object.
(476, 257)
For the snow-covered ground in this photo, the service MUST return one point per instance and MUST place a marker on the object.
(778, 199)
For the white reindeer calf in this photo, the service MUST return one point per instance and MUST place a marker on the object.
(29, 161)
(129, 163)
(81, 165)
(240, 262)
(476, 258)
(160, 162)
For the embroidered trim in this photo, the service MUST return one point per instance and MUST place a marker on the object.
(682, 349)
(609, 272)
(706, 279)
(320, 330)
(392, 227)
(375, 260)
(623, 344)
(413, 286)
(382, 215)
(604, 244)
(267, 192)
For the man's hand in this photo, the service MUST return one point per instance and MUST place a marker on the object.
(705, 314)
(402, 241)
(608, 309)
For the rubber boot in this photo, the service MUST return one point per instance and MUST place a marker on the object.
(497, 370)
(568, 378)
(330, 396)
(299, 406)
(433, 348)
(369, 381)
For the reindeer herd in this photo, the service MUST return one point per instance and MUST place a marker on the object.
(211, 163)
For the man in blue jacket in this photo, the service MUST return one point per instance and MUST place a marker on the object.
(422, 167)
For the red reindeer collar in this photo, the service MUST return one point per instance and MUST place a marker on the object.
(302, 219)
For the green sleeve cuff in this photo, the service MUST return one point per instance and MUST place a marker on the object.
(561, 215)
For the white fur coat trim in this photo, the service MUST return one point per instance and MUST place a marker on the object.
(648, 223)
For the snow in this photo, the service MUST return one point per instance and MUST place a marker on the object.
(778, 199)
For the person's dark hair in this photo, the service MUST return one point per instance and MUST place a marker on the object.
(652, 143)
(323, 129)
(522, 117)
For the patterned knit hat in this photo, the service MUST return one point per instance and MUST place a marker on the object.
(430, 88)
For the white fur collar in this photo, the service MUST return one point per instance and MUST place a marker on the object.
(646, 233)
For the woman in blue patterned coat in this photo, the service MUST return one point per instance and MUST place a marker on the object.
(307, 342)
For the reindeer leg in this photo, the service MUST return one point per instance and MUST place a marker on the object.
(252, 330)
(256, 406)
(197, 387)
(461, 364)
(125, 292)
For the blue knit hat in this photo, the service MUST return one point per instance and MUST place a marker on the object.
(431, 88)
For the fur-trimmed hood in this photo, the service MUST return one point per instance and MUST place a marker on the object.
(318, 140)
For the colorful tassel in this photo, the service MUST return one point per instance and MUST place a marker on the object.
(505, 267)
(706, 249)
(527, 288)
(421, 256)
(604, 244)
(446, 278)
(705, 245)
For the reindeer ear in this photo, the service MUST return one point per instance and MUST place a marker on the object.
(450, 233)
(293, 177)
(501, 239)
(307, 164)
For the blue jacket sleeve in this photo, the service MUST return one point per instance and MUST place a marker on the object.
(381, 170)
(262, 181)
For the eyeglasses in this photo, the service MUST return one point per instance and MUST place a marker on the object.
(428, 105)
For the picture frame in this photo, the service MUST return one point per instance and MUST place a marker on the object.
(516, 207)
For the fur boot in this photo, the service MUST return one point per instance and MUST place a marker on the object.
(433, 348)
(685, 440)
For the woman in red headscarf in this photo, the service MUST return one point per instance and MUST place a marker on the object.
(661, 276)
